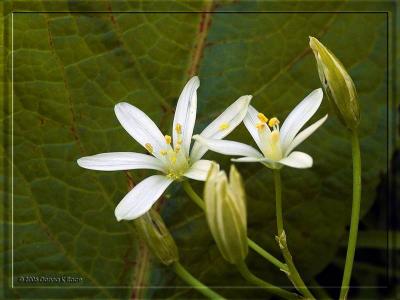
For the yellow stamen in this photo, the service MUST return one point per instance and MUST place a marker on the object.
(168, 139)
(260, 126)
(262, 118)
(223, 126)
(163, 152)
(173, 159)
(178, 128)
(149, 148)
(273, 122)
(179, 141)
(177, 148)
(275, 136)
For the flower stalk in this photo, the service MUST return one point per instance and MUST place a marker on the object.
(341, 91)
(250, 277)
(355, 215)
(292, 273)
(195, 283)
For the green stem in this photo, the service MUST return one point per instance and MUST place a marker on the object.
(199, 201)
(272, 259)
(193, 195)
(293, 274)
(355, 215)
(250, 277)
(319, 291)
(187, 277)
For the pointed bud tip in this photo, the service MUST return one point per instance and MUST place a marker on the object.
(337, 83)
(313, 41)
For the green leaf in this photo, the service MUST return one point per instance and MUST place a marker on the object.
(71, 69)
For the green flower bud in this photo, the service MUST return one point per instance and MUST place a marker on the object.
(151, 229)
(337, 84)
(226, 213)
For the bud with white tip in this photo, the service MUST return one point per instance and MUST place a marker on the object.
(337, 84)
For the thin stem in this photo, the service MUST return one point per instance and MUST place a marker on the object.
(278, 201)
(272, 259)
(188, 278)
(199, 201)
(319, 291)
(355, 215)
(250, 277)
(293, 274)
(193, 195)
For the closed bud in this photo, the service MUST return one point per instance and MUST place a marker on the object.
(337, 84)
(151, 229)
(225, 203)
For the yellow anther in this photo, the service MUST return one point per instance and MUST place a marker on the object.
(275, 136)
(223, 126)
(168, 139)
(173, 159)
(163, 152)
(260, 126)
(179, 141)
(178, 128)
(149, 147)
(273, 122)
(262, 118)
(177, 148)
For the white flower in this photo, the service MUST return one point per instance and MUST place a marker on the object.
(170, 155)
(276, 143)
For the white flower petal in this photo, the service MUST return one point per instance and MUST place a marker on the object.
(252, 159)
(228, 147)
(265, 161)
(299, 116)
(140, 127)
(250, 121)
(142, 197)
(116, 161)
(305, 134)
(232, 117)
(199, 170)
(185, 113)
(298, 160)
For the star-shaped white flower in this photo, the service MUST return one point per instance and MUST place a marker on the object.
(170, 155)
(276, 143)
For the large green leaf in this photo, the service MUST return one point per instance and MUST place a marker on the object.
(71, 69)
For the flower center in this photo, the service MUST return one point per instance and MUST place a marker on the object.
(269, 137)
(176, 161)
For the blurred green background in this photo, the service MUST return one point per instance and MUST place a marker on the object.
(70, 69)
